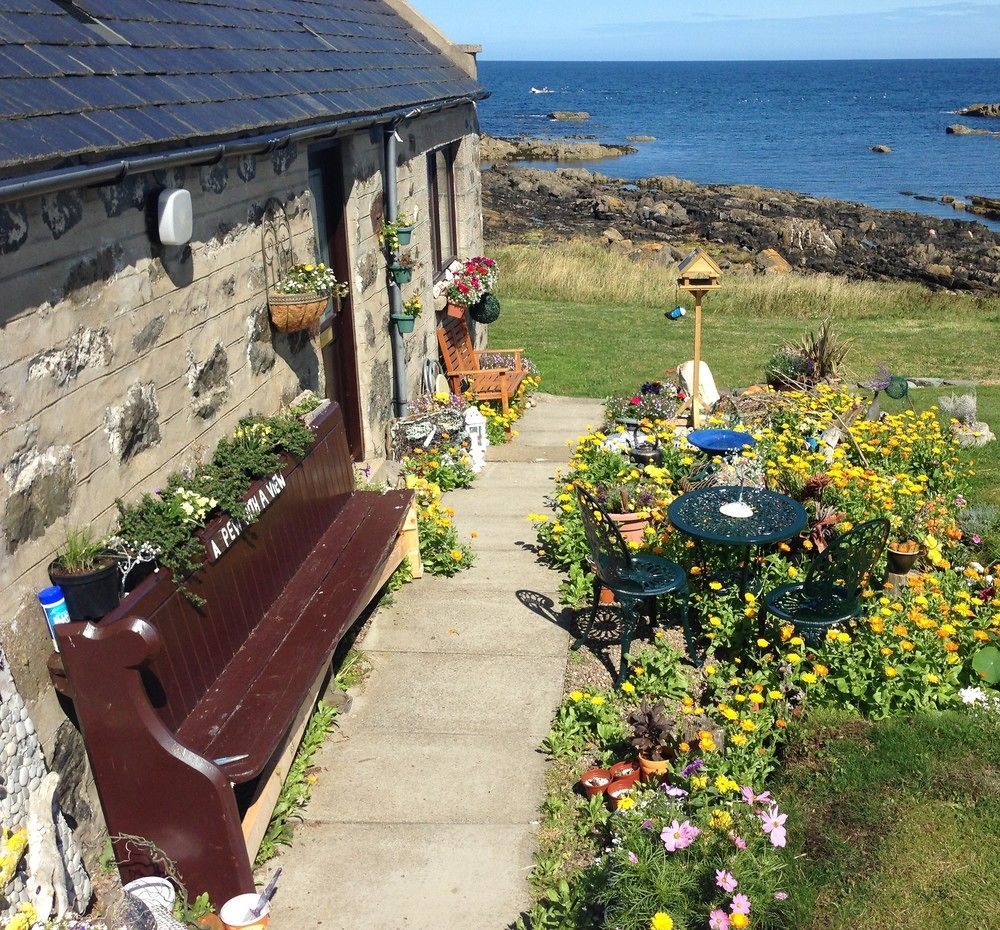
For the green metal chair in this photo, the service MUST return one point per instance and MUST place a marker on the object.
(634, 578)
(831, 592)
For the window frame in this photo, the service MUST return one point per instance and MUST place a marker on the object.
(442, 257)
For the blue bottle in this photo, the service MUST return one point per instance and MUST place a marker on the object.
(54, 605)
(676, 313)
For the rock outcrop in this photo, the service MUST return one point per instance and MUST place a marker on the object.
(494, 150)
(882, 149)
(641, 138)
(981, 109)
(959, 129)
(569, 116)
(984, 206)
(742, 222)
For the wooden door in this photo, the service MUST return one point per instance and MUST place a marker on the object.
(326, 180)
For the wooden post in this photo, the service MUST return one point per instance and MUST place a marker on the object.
(696, 377)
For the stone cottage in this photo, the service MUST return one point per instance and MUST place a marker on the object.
(122, 357)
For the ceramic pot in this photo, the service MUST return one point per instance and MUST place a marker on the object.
(455, 310)
(404, 322)
(630, 525)
(625, 773)
(619, 789)
(901, 562)
(401, 274)
(92, 595)
(404, 234)
(653, 769)
(607, 597)
(595, 781)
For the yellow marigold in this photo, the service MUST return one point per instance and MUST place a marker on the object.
(625, 803)
(597, 700)
(739, 921)
(721, 820)
(628, 687)
(821, 670)
(576, 695)
(661, 920)
(748, 725)
(890, 672)
(457, 555)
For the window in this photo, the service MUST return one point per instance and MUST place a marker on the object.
(441, 195)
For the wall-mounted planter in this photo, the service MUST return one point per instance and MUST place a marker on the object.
(401, 274)
(404, 234)
(293, 312)
(404, 322)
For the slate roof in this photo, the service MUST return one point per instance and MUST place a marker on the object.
(170, 72)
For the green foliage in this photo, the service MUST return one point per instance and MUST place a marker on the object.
(170, 518)
(986, 664)
(446, 463)
(297, 789)
(824, 351)
(353, 671)
(190, 912)
(585, 722)
(80, 552)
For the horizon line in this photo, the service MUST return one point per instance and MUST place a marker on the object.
(665, 61)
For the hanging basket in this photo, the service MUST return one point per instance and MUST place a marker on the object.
(486, 309)
(404, 322)
(293, 312)
(404, 233)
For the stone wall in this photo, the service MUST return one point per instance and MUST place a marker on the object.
(363, 158)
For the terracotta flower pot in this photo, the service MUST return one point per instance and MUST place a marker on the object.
(595, 781)
(620, 789)
(607, 597)
(455, 310)
(622, 770)
(653, 769)
(630, 525)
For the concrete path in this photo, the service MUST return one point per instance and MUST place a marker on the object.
(426, 806)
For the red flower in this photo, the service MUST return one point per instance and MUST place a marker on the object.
(636, 401)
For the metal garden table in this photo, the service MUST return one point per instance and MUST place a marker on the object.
(775, 518)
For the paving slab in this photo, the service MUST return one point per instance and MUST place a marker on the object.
(455, 778)
(406, 877)
(426, 805)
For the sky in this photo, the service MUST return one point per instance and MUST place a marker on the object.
(700, 30)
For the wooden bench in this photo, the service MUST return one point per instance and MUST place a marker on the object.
(163, 690)
(461, 365)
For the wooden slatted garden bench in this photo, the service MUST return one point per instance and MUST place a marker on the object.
(461, 365)
(166, 692)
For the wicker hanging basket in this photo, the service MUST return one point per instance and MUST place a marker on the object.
(293, 312)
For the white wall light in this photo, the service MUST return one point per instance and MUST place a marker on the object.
(175, 221)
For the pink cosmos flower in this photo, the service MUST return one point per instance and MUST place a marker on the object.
(672, 791)
(718, 920)
(750, 798)
(773, 822)
(780, 895)
(679, 835)
(740, 904)
(725, 880)
(738, 841)
(632, 857)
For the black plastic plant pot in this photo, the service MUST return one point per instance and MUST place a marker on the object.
(404, 233)
(404, 322)
(92, 595)
(486, 309)
(400, 274)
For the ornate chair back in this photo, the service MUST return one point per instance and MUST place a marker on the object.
(846, 563)
(609, 552)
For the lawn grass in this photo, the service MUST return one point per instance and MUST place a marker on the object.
(898, 822)
(599, 340)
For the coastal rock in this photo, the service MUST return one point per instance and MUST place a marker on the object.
(641, 138)
(771, 261)
(612, 235)
(741, 221)
(882, 149)
(494, 150)
(569, 116)
(980, 109)
(985, 206)
(958, 129)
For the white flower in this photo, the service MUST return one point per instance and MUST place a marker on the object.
(972, 695)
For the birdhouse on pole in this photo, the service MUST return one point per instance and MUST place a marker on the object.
(697, 274)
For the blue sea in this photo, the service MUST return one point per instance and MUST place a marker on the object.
(806, 126)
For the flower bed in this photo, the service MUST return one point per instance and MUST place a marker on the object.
(500, 425)
(707, 847)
